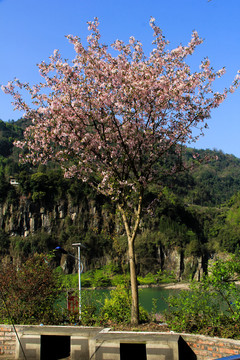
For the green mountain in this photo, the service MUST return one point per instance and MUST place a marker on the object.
(193, 215)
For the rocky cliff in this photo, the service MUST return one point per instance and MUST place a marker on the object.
(95, 223)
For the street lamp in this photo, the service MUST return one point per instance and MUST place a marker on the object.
(78, 245)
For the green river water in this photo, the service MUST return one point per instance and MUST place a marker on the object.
(161, 295)
(146, 296)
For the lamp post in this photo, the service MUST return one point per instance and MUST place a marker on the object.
(78, 245)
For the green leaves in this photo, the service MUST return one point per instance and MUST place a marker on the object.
(29, 291)
(211, 306)
(117, 308)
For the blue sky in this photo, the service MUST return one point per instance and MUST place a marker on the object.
(30, 30)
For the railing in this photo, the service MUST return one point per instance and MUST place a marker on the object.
(233, 357)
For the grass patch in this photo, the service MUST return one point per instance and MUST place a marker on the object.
(110, 275)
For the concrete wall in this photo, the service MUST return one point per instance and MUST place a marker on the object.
(51, 342)
(85, 343)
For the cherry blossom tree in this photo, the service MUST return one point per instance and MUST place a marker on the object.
(111, 114)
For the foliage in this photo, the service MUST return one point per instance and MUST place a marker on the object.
(149, 279)
(4, 243)
(121, 279)
(165, 276)
(8, 133)
(40, 242)
(46, 187)
(90, 309)
(211, 306)
(69, 281)
(117, 308)
(104, 277)
(191, 310)
(190, 186)
(4, 187)
(215, 181)
(109, 276)
(29, 292)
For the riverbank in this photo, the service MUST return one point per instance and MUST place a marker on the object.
(172, 286)
(176, 286)
(167, 286)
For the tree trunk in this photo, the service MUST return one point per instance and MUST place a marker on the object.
(134, 286)
(131, 235)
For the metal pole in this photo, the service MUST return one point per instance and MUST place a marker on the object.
(79, 282)
(78, 245)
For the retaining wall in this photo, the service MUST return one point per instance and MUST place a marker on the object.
(54, 342)
(7, 342)
(209, 348)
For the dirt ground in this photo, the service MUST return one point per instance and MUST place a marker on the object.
(177, 286)
(149, 327)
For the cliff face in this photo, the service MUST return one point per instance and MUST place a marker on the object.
(26, 218)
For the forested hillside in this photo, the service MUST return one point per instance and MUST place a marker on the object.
(192, 215)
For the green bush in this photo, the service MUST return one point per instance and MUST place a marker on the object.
(147, 280)
(69, 281)
(117, 308)
(109, 276)
(165, 276)
(191, 310)
(86, 280)
(29, 292)
(90, 307)
(4, 242)
(121, 279)
(101, 278)
(211, 306)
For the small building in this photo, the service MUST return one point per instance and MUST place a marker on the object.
(13, 181)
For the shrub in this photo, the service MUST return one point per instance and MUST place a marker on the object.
(192, 310)
(117, 308)
(147, 280)
(90, 307)
(69, 281)
(101, 278)
(121, 279)
(165, 276)
(29, 292)
(211, 306)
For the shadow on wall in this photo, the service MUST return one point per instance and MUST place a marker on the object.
(133, 351)
(55, 347)
(185, 352)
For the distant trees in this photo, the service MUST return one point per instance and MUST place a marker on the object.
(8, 133)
